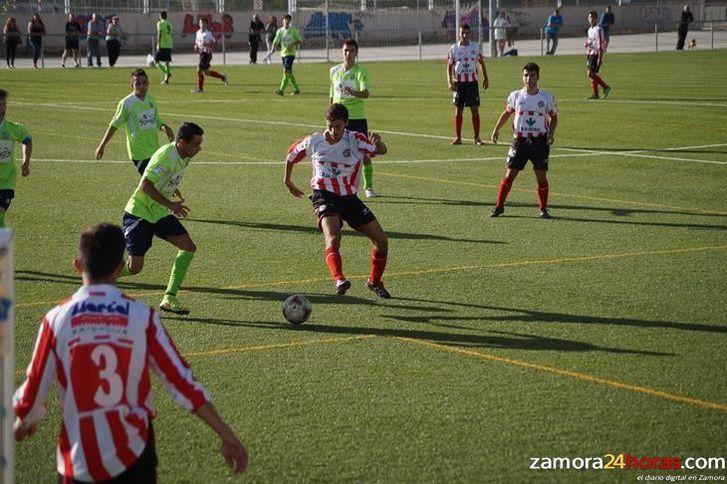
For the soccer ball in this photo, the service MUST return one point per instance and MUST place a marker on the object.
(297, 309)
(150, 60)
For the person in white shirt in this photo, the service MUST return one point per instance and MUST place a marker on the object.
(500, 25)
(99, 345)
(536, 117)
(595, 48)
(204, 41)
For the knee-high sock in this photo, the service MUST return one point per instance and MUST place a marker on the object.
(378, 264)
(200, 81)
(543, 191)
(179, 271)
(505, 186)
(594, 87)
(334, 263)
(600, 81)
(284, 82)
(368, 175)
(293, 81)
(215, 74)
(476, 125)
(126, 271)
(162, 68)
(458, 126)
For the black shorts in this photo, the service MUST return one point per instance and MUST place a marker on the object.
(358, 126)
(205, 59)
(6, 196)
(139, 232)
(141, 165)
(592, 63)
(144, 469)
(466, 94)
(163, 55)
(288, 61)
(72, 43)
(536, 150)
(347, 207)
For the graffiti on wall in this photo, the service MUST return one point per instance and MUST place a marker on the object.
(341, 25)
(468, 17)
(225, 26)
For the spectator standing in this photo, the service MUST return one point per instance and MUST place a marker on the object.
(257, 27)
(36, 31)
(93, 37)
(73, 34)
(500, 26)
(114, 37)
(100, 345)
(511, 30)
(606, 21)
(552, 30)
(684, 21)
(270, 29)
(12, 39)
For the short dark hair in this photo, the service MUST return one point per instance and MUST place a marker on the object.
(337, 111)
(532, 66)
(464, 27)
(163, 14)
(101, 250)
(350, 42)
(187, 131)
(594, 13)
(287, 15)
(139, 73)
(3, 94)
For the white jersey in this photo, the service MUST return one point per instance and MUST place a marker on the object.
(531, 112)
(204, 41)
(336, 167)
(464, 58)
(99, 345)
(595, 41)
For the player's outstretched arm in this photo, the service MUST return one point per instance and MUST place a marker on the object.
(106, 138)
(500, 123)
(295, 191)
(230, 446)
(27, 151)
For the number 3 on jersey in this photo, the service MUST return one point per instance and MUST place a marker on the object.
(99, 373)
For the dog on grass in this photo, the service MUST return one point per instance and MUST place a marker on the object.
(692, 44)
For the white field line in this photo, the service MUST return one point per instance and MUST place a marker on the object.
(632, 153)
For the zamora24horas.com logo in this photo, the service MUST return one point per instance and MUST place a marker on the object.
(627, 461)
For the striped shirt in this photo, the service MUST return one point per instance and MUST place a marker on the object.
(336, 167)
(595, 42)
(464, 58)
(204, 40)
(531, 112)
(99, 345)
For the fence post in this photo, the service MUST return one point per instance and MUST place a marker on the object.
(541, 41)
(711, 33)
(419, 35)
(656, 37)
(224, 50)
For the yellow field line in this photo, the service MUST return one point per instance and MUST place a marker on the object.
(441, 270)
(565, 195)
(292, 344)
(572, 374)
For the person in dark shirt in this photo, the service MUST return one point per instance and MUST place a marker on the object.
(73, 33)
(684, 22)
(256, 28)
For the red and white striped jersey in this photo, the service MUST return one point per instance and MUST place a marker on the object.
(204, 41)
(99, 345)
(531, 112)
(464, 58)
(595, 41)
(336, 167)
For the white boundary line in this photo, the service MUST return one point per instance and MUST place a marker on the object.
(585, 152)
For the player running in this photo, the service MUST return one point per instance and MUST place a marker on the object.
(536, 117)
(138, 115)
(337, 155)
(10, 133)
(203, 43)
(152, 210)
(289, 40)
(462, 60)
(350, 86)
(165, 42)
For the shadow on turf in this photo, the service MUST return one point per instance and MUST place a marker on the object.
(314, 230)
(654, 150)
(75, 280)
(495, 339)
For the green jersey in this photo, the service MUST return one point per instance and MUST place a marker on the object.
(357, 78)
(165, 171)
(141, 122)
(10, 133)
(165, 29)
(287, 39)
